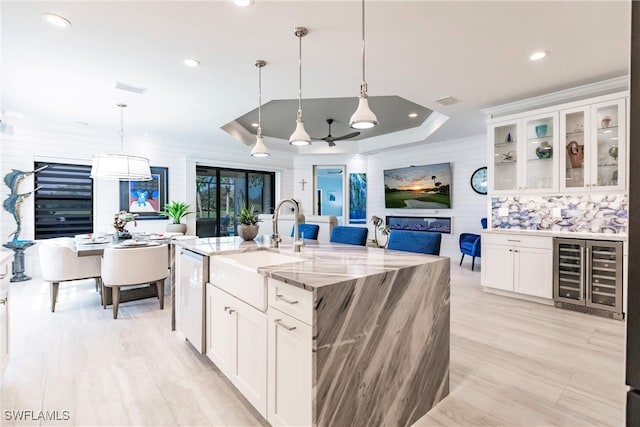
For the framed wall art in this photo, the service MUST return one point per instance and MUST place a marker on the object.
(357, 198)
(146, 198)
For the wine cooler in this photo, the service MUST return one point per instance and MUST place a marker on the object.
(587, 276)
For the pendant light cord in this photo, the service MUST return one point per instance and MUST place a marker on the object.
(259, 100)
(363, 50)
(299, 77)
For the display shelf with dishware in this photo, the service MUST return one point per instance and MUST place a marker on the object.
(532, 139)
(578, 146)
(594, 136)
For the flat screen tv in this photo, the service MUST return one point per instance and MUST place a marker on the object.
(418, 187)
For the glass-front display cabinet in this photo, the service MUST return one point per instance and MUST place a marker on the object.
(524, 154)
(541, 148)
(594, 138)
(503, 171)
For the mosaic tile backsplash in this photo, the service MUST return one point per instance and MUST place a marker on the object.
(588, 213)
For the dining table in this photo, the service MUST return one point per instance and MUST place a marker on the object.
(90, 245)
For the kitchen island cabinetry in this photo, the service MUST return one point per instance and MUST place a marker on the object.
(237, 344)
(290, 359)
(335, 320)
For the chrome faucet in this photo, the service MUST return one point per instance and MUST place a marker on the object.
(275, 237)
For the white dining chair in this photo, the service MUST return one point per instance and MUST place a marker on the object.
(129, 266)
(59, 262)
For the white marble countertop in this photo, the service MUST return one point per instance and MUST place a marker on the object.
(562, 234)
(321, 265)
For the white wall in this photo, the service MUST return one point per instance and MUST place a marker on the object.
(465, 156)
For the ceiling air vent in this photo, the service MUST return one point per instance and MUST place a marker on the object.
(131, 88)
(447, 100)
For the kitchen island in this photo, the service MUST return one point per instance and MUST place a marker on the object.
(353, 335)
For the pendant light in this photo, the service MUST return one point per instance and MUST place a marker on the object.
(363, 118)
(300, 136)
(259, 149)
(121, 166)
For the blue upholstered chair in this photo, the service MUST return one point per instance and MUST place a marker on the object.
(310, 231)
(423, 242)
(349, 235)
(470, 244)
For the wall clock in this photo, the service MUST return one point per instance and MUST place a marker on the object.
(479, 180)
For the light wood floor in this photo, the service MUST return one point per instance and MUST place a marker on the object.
(513, 363)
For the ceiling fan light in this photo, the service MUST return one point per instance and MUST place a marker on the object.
(259, 149)
(300, 136)
(363, 118)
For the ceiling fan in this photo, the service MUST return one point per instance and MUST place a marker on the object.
(331, 139)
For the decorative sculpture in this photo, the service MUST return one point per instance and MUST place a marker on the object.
(12, 204)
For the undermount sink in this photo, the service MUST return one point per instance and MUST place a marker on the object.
(255, 259)
(238, 274)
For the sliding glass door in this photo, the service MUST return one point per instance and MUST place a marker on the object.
(221, 192)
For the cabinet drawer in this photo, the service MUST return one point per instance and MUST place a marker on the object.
(291, 300)
(540, 242)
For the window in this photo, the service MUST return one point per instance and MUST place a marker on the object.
(222, 192)
(64, 202)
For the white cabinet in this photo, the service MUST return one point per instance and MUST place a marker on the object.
(4, 311)
(237, 344)
(290, 355)
(594, 137)
(518, 263)
(522, 154)
(576, 147)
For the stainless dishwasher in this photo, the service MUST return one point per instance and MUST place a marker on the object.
(587, 276)
(193, 276)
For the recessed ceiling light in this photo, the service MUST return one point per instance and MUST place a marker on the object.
(255, 125)
(57, 20)
(190, 62)
(413, 115)
(243, 3)
(536, 56)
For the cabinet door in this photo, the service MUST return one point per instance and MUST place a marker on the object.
(250, 361)
(498, 266)
(533, 272)
(220, 329)
(575, 171)
(608, 158)
(503, 147)
(290, 370)
(539, 153)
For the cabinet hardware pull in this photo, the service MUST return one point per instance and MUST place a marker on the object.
(3, 276)
(3, 301)
(510, 250)
(515, 250)
(288, 328)
(226, 308)
(231, 311)
(288, 301)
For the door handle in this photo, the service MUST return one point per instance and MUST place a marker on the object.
(231, 311)
(288, 328)
(3, 301)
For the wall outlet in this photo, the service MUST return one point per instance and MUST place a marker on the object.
(555, 212)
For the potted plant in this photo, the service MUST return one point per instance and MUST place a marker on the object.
(378, 224)
(120, 221)
(248, 223)
(176, 211)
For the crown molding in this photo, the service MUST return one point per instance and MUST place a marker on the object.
(616, 84)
